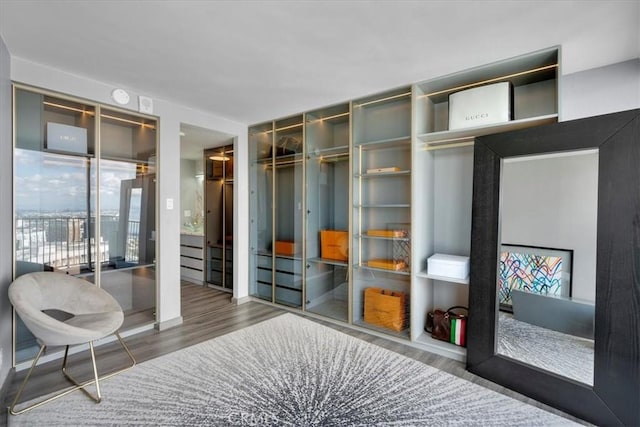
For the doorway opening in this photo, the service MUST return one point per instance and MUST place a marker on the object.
(207, 207)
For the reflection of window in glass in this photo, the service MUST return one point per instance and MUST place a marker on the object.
(133, 227)
(52, 209)
(114, 213)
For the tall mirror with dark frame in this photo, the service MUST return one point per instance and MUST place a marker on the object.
(547, 265)
(555, 256)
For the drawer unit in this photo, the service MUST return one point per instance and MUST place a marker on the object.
(192, 258)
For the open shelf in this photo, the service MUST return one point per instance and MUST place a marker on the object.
(441, 347)
(328, 261)
(424, 274)
(384, 174)
(397, 205)
(404, 334)
(449, 137)
(402, 271)
(384, 143)
(397, 239)
(271, 254)
(342, 149)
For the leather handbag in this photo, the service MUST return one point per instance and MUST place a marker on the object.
(448, 325)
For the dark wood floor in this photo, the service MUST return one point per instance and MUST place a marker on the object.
(207, 314)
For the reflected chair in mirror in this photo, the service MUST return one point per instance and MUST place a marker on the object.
(91, 312)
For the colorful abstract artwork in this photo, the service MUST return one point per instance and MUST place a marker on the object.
(537, 270)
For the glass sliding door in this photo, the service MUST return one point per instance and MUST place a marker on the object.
(327, 222)
(219, 216)
(54, 187)
(84, 191)
(127, 179)
(261, 211)
(288, 171)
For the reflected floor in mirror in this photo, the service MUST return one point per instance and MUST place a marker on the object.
(562, 354)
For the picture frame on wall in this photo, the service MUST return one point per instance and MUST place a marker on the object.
(543, 271)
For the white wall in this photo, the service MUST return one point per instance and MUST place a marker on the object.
(601, 90)
(171, 115)
(6, 210)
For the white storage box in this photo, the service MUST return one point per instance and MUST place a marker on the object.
(454, 266)
(480, 106)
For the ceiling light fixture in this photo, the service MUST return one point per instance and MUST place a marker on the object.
(120, 96)
(219, 158)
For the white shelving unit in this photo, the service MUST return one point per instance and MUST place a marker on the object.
(382, 200)
(406, 171)
(448, 138)
(426, 275)
(443, 164)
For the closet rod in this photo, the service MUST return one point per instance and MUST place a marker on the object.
(388, 98)
(448, 145)
(495, 79)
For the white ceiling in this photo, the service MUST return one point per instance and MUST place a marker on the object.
(251, 61)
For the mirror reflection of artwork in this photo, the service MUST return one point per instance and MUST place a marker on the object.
(536, 270)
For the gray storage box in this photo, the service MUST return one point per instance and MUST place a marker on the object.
(480, 106)
(61, 137)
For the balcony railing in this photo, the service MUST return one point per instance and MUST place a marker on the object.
(67, 243)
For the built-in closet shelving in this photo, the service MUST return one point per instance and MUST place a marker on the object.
(534, 79)
(261, 213)
(443, 160)
(219, 216)
(327, 208)
(381, 198)
(276, 189)
(386, 170)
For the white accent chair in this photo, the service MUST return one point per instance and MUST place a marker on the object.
(95, 315)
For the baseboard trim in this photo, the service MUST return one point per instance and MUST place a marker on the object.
(4, 390)
(162, 326)
(241, 300)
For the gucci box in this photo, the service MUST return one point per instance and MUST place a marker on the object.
(480, 106)
(454, 266)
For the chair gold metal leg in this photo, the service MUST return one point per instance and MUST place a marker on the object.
(95, 372)
(12, 408)
(77, 386)
(97, 398)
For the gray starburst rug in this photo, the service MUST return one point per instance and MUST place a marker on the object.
(288, 371)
